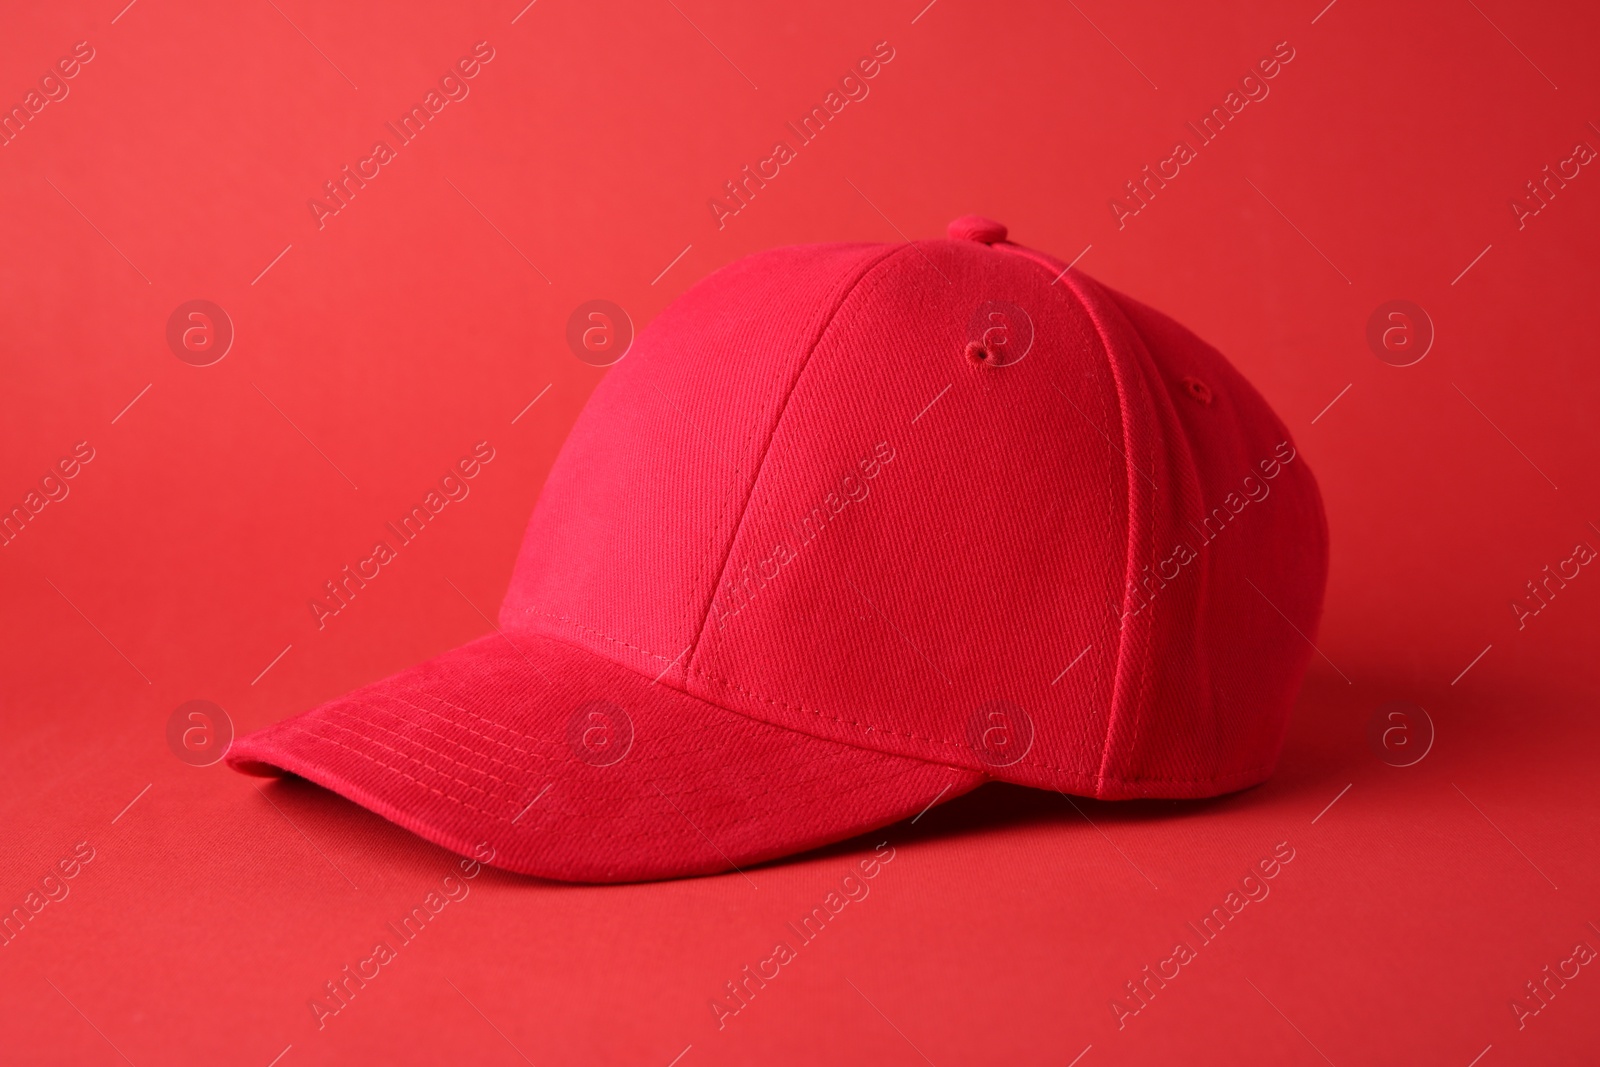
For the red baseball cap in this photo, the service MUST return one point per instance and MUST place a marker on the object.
(852, 529)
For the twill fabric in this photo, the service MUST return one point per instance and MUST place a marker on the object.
(849, 531)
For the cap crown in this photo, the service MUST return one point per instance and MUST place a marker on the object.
(927, 500)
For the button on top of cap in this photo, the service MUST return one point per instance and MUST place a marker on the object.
(976, 228)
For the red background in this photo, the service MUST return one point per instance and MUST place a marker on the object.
(411, 326)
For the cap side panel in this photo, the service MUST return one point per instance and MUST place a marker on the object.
(1260, 536)
(1204, 691)
(625, 543)
(1161, 685)
(679, 672)
(1151, 471)
(1129, 683)
(1170, 728)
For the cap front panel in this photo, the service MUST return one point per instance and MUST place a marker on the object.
(933, 557)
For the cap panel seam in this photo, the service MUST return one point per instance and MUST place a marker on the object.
(1130, 573)
(689, 654)
(1120, 780)
(961, 746)
(1156, 371)
(576, 625)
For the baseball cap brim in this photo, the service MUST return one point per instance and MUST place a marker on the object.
(569, 766)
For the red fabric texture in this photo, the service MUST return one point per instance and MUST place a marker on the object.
(1433, 911)
(473, 751)
(864, 511)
